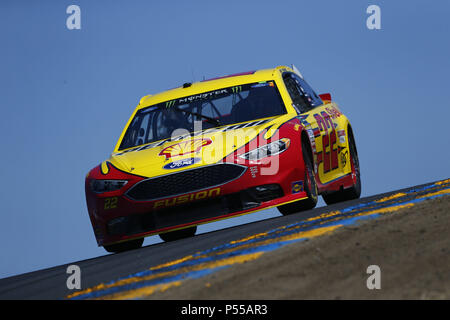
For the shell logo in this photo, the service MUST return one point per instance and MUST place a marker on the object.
(185, 147)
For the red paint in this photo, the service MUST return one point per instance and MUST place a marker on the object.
(325, 96)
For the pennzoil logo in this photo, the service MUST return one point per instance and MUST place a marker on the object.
(297, 186)
(187, 198)
(184, 147)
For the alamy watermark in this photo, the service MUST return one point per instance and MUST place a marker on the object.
(373, 21)
(374, 280)
(73, 22)
(74, 280)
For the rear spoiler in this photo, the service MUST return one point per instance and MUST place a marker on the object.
(325, 96)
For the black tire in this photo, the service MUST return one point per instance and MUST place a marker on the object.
(353, 192)
(178, 234)
(310, 186)
(124, 246)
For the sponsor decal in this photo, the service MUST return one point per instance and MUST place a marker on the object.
(297, 186)
(334, 112)
(341, 135)
(186, 198)
(316, 132)
(323, 121)
(170, 103)
(184, 147)
(329, 158)
(236, 89)
(263, 84)
(302, 118)
(254, 171)
(202, 96)
(343, 157)
(181, 163)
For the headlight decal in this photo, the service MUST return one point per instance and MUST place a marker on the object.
(101, 186)
(268, 150)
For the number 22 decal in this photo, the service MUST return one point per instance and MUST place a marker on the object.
(329, 139)
(330, 158)
(110, 203)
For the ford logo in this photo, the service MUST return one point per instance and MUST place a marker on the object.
(181, 163)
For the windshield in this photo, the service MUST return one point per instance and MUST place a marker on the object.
(214, 108)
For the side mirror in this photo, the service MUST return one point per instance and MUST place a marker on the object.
(325, 96)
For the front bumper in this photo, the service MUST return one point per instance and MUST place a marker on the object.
(147, 206)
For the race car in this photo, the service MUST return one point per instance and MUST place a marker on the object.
(220, 148)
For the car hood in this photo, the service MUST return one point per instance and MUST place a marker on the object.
(190, 151)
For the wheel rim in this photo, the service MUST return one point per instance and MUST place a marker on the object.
(355, 165)
(311, 181)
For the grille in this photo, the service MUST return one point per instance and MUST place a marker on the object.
(185, 182)
(192, 212)
(171, 217)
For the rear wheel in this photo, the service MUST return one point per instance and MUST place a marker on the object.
(124, 246)
(310, 186)
(354, 192)
(178, 234)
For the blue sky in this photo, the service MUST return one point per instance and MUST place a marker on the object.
(65, 95)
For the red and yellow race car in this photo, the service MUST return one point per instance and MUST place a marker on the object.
(219, 148)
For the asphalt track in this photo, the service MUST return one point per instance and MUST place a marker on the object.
(137, 274)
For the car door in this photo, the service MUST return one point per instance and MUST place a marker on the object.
(313, 115)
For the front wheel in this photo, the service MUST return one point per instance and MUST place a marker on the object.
(124, 246)
(178, 234)
(310, 186)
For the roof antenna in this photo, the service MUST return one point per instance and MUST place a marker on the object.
(297, 71)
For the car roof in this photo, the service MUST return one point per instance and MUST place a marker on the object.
(212, 84)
